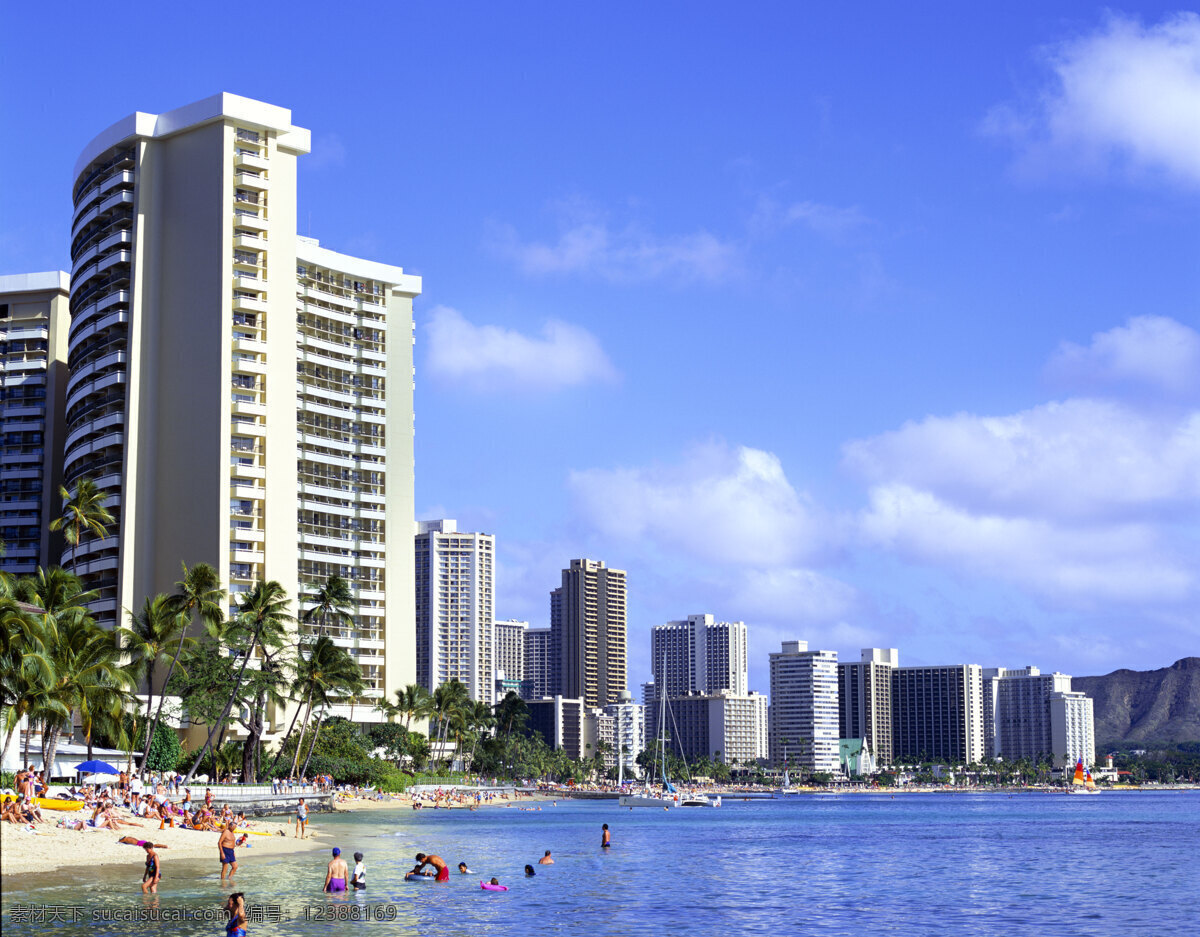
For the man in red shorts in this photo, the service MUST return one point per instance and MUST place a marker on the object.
(443, 870)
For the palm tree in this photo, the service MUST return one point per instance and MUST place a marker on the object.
(83, 512)
(326, 669)
(447, 699)
(333, 600)
(481, 719)
(350, 685)
(414, 702)
(264, 603)
(26, 670)
(157, 629)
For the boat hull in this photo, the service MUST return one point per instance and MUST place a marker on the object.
(641, 800)
(49, 803)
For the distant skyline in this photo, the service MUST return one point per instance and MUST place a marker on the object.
(882, 332)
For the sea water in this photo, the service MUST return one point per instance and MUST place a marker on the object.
(913, 864)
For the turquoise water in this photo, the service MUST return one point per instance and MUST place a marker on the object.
(964, 864)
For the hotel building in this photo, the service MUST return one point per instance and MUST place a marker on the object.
(937, 713)
(509, 639)
(538, 678)
(725, 726)
(587, 633)
(242, 394)
(1072, 729)
(455, 608)
(865, 700)
(699, 655)
(803, 715)
(629, 730)
(1020, 708)
(34, 318)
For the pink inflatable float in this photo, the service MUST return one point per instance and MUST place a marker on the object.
(488, 886)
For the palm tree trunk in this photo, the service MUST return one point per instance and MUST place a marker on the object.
(162, 698)
(228, 707)
(50, 750)
(8, 734)
(300, 740)
(151, 725)
(313, 746)
(288, 735)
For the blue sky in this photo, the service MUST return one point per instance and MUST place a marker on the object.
(879, 330)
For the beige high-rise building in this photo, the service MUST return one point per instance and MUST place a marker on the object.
(865, 700)
(34, 319)
(587, 633)
(243, 395)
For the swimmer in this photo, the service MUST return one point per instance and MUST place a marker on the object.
(235, 907)
(547, 859)
(153, 874)
(606, 838)
(336, 873)
(462, 868)
(529, 871)
(443, 870)
(225, 846)
(359, 879)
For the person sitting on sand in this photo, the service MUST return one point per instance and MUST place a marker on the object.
(12, 813)
(546, 859)
(336, 873)
(443, 870)
(152, 875)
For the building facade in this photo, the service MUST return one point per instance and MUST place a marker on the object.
(561, 722)
(232, 383)
(509, 639)
(538, 668)
(629, 731)
(587, 626)
(455, 608)
(1072, 729)
(1020, 704)
(34, 320)
(865, 700)
(937, 713)
(804, 708)
(699, 655)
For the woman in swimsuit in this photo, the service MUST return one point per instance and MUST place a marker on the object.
(153, 873)
(236, 908)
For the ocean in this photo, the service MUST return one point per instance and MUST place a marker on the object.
(913, 864)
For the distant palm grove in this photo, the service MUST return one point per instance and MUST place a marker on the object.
(229, 673)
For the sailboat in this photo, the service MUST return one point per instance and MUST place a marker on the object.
(647, 798)
(1082, 782)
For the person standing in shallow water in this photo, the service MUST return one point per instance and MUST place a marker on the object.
(605, 837)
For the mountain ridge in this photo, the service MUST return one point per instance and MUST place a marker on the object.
(1146, 705)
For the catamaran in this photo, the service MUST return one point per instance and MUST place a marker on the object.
(1083, 782)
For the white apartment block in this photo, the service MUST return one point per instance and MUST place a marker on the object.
(538, 677)
(937, 713)
(600, 726)
(242, 394)
(455, 608)
(1072, 729)
(1020, 710)
(510, 649)
(699, 655)
(724, 726)
(34, 319)
(804, 708)
(629, 730)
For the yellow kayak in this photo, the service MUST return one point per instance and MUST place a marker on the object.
(50, 803)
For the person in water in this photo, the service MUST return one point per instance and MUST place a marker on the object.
(235, 907)
(225, 845)
(443, 870)
(359, 879)
(529, 871)
(152, 875)
(605, 838)
(462, 868)
(337, 872)
(546, 859)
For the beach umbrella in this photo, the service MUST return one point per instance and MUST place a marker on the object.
(97, 779)
(97, 767)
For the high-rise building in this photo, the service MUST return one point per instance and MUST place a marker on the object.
(538, 667)
(587, 625)
(937, 713)
(561, 722)
(803, 714)
(455, 608)
(724, 726)
(699, 655)
(510, 649)
(629, 730)
(34, 319)
(1019, 701)
(1072, 729)
(865, 700)
(232, 383)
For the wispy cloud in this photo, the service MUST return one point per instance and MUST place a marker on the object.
(1153, 352)
(495, 358)
(834, 222)
(1125, 94)
(626, 254)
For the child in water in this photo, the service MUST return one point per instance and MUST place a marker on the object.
(359, 878)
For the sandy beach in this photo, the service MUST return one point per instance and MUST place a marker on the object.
(53, 848)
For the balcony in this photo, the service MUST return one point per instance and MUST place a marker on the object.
(246, 159)
(247, 304)
(250, 180)
(250, 241)
(247, 217)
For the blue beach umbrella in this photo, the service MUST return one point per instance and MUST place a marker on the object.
(96, 767)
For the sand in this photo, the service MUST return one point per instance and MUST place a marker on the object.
(53, 848)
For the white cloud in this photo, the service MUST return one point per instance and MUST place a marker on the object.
(496, 358)
(793, 595)
(1150, 351)
(1079, 459)
(830, 221)
(1117, 562)
(724, 505)
(1125, 93)
(629, 254)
